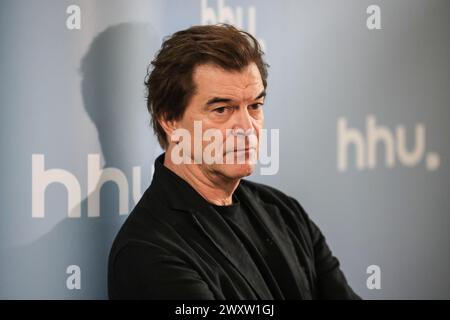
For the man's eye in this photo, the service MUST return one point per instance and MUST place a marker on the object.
(256, 106)
(220, 109)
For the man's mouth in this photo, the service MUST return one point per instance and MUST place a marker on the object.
(241, 150)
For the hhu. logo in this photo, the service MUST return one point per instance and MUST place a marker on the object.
(395, 146)
(97, 176)
(227, 14)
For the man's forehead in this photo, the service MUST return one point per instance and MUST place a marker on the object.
(214, 81)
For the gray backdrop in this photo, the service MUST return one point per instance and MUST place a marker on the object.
(363, 115)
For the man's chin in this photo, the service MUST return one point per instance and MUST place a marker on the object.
(237, 171)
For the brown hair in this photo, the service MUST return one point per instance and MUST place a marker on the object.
(170, 84)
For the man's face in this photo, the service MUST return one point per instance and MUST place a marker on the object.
(231, 103)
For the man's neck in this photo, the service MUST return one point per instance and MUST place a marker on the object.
(214, 188)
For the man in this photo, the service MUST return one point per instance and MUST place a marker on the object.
(200, 231)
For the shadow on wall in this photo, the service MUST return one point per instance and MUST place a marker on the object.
(113, 72)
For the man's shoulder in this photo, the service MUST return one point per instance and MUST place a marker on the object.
(142, 223)
(149, 214)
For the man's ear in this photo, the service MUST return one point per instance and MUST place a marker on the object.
(169, 126)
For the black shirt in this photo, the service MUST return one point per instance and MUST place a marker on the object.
(270, 262)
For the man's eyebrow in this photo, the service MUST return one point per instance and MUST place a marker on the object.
(261, 95)
(217, 100)
(226, 100)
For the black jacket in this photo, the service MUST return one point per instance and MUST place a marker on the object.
(174, 245)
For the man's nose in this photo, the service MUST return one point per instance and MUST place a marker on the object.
(243, 120)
